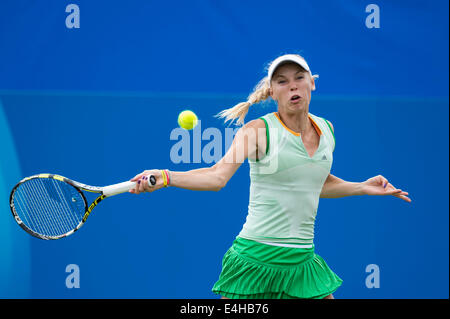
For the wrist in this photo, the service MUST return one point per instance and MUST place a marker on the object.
(169, 177)
(359, 189)
(165, 175)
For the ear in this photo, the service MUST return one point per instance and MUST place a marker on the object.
(271, 94)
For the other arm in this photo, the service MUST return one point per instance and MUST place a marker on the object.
(334, 187)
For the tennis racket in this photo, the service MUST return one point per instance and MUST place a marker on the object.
(49, 206)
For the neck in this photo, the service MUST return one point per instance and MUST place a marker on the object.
(298, 122)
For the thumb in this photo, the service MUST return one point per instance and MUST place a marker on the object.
(380, 180)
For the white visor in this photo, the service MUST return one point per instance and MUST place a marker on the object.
(287, 58)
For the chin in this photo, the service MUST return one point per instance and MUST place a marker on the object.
(297, 107)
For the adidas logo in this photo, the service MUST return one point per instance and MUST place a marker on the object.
(324, 158)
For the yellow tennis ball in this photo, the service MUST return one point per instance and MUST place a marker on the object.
(187, 120)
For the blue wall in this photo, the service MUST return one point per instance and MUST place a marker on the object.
(98, 104)
(15, 253)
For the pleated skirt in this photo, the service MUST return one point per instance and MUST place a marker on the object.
(252, 270)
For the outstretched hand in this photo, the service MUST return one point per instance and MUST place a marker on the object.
(379, 185)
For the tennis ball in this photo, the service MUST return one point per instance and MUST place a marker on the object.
(187, 120)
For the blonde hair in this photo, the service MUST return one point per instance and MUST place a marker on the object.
(261, 92)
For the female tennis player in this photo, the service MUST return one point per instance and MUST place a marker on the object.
(290, 153)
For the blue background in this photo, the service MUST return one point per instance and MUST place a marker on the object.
(97, 104)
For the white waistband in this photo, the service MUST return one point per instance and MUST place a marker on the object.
(286, 245)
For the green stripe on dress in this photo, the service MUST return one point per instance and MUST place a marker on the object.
(332, 132)
(267, 137)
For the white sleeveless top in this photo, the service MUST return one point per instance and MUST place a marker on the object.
(285, 185)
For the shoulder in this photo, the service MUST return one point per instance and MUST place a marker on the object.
(258, 123)
(327, 122)
(331, 125)
(331, 129)
(254, 132)
(253, 126)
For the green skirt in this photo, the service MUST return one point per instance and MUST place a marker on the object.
(252, 270)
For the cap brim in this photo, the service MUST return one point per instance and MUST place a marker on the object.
(286, 59)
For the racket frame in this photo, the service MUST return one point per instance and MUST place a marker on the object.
(104, 192)
(78, 186)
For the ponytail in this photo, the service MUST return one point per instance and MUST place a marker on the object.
(260, 93)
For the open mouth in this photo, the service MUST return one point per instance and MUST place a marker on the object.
(295, 98)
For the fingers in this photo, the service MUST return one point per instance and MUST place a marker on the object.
(137, 187)
(392, 187)
(142, 182)
(404, 196)
(137, 177)
(399, 193)
(393, 192)
(146, 185)
(383, 181)
(377, 180)
(141, 185)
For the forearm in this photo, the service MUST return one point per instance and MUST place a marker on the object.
(335, 187)
(202, 179)
(214, 178)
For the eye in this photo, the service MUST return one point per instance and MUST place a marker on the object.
(299, 77)
(281, 81)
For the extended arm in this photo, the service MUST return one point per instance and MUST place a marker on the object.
(335, 187)
(211, 178)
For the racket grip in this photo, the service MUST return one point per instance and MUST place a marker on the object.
(120, 188)
(124, 187)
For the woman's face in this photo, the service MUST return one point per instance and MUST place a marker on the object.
(291, 87)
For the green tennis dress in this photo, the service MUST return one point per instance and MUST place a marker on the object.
(273, 256)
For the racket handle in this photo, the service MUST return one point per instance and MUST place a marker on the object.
(120, 188)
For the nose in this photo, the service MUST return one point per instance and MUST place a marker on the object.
(293, 86)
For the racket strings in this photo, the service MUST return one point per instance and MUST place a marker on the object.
(70, 217)
(36, 214)
(48, 212)
(58, 208)
(35, 221)
(40, 222)
(49, 207)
